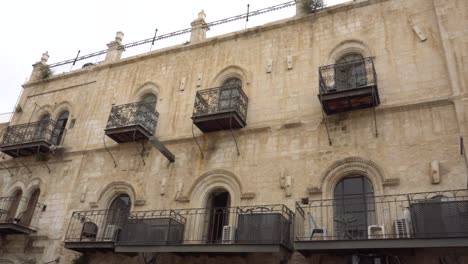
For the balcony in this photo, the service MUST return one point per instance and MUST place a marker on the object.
(220, 108)
(18, 215)
(235, 230)
(30, 139)
(348, 86)
(95, 231)
(376, 224)
(132, 122)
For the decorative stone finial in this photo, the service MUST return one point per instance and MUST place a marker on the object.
(119, 36)
(45, 57)
(202, 15)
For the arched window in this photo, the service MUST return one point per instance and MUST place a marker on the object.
(149, 99)
(15, 201)
(350, 72)
(60, 127)
(41, 129)
(218, 207)
(119, 211)
(229, 93)
(354, 207)
(32, 204)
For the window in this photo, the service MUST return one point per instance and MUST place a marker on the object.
(150, 99)
(354, 207)
(32, 203)
(14, 204)
(350, 72)
(41, 128)
(229, 93)
(218, 205)
(119, 210)
(60, 128)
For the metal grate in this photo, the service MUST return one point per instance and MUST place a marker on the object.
(45, 130)
(140, 113)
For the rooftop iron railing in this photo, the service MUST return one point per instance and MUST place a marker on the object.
(20, 211)
(440, 214)
(227, 98)
(140, 113)
(45, 130)
(347, 76)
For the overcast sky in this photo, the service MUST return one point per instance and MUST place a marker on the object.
(31, 27)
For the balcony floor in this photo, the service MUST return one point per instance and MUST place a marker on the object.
(210, 249)
(349, 100)
(375, 245)
(218, 121)
(11, 228)
(128, 134)
(90, 246)
(25, 149)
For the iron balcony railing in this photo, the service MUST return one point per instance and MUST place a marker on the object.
(96, 226)
(45, 130)
(141, 113)
(20, 211)
(228, 98)
(269, 224)
(441, 214)
(347, 76)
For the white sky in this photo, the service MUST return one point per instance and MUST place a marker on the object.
(30, 27)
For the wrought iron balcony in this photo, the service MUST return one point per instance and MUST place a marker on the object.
(31, 138)
(220, 108)
(132, 122)
(372, 223)
(19, 215)
(96, 230)
(210, 231)
(348, 86)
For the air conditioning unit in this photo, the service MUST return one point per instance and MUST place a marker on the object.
(228, 234)
(111, 232)
(402, 229)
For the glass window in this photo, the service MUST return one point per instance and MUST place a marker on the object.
(350, 72)
(60, 128)
(354, 207)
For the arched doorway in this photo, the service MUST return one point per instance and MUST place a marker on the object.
(217, 205)
(15, 201)
(60, 127)
(229, 93)
(350, 72)
(354, 207)
(32, 204)
(119, 210)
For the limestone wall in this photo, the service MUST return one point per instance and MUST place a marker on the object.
(420, 119)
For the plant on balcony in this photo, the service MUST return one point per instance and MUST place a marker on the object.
(311, 6)
(46, 72)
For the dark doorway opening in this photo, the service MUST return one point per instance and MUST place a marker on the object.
(218, 215)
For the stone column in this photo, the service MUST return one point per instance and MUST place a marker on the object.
(115, 48)
(40, 69)
(199, 28)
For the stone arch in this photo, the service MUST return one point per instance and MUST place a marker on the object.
(144, 89)
(34, 184)
(60, 108)
(44, 110)
(232, 71)
(351, 166)
(19, 184)
(348, 46)
(112, 190)
(212, 180)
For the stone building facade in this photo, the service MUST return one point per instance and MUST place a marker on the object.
(386, 120)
